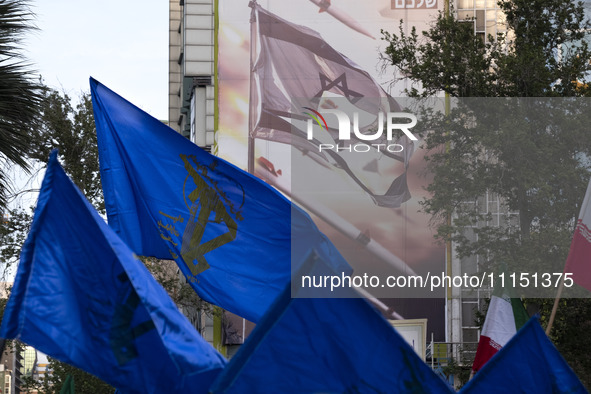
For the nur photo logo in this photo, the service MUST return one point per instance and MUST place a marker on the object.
(392, 125)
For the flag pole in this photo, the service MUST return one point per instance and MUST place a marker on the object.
(251, 99)
(555, 306)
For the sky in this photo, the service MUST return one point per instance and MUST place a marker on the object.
(121, 43)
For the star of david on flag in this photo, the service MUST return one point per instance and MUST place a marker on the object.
(295, 69)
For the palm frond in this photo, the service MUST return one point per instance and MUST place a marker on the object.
(20, 91)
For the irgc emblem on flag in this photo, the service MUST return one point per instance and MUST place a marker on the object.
(206, 203)
(229, 232)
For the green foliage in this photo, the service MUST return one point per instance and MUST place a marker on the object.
(166, 272)
(29, 385)
(448, 57)
(20, 94)
(85, 383)
(541, 56)
(13, 231)
(525, 153)
(460, 372)
(71, 130)
(570, 332)
(532, 67)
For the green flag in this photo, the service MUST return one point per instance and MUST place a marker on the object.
(68, 387)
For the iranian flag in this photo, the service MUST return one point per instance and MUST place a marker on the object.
(578, 261)
(504, 318)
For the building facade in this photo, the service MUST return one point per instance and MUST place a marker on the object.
(12, 365)
(192, 70)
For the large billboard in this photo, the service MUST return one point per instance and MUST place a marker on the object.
(287, 74)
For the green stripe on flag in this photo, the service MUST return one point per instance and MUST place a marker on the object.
(519, 313)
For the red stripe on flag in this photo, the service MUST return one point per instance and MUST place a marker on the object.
(486, 349)
(579, 258)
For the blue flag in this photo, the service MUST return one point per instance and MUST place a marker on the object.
(528, 363)
(229, 232)
(81, 296)
(336, 345)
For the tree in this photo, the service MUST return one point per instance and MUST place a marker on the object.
(544, 55)
(13, 232)
(182, 294)
(84, 382)
(20, 95)
(71, 130)
(535, 158)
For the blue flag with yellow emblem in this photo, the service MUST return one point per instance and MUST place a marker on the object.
(229, 232)
(82, 297)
